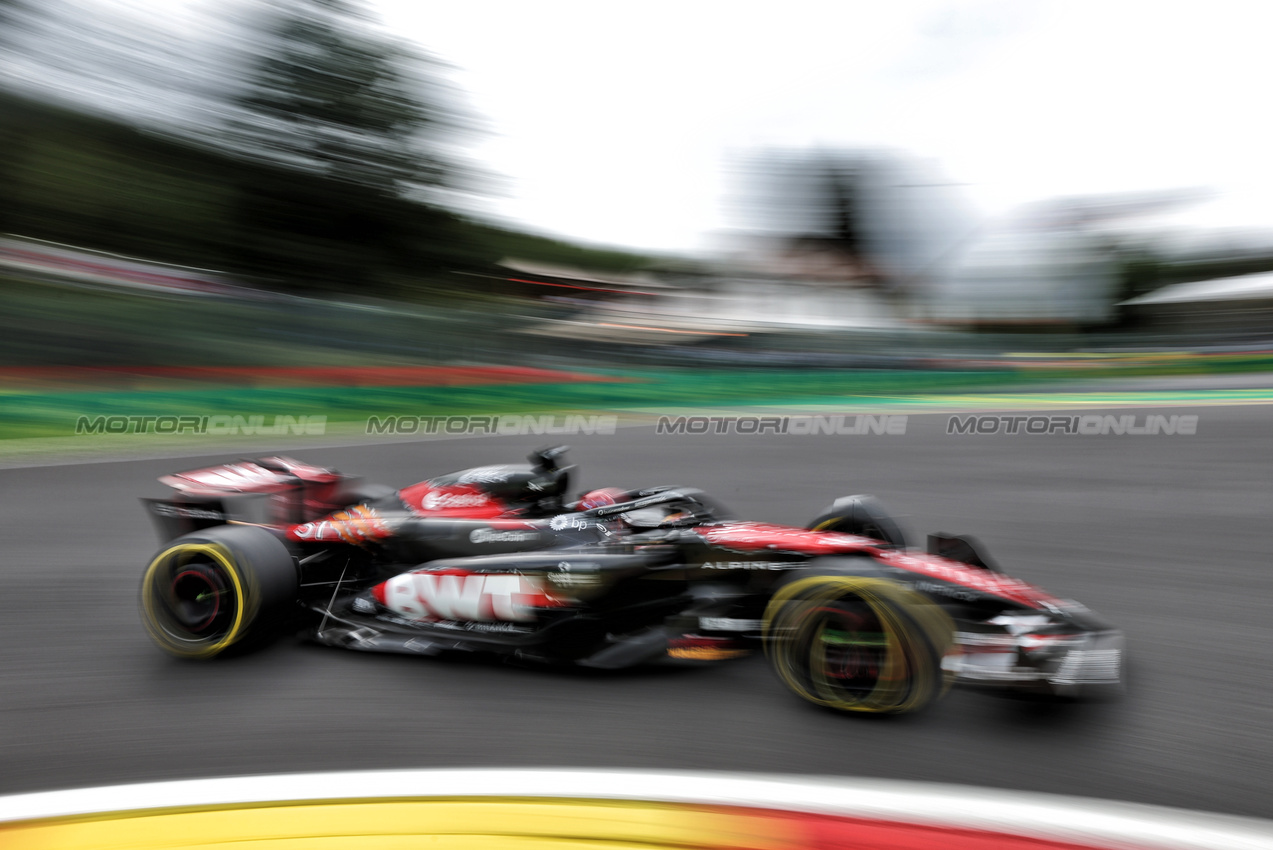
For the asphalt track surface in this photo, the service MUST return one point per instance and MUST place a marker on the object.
(1167, 536)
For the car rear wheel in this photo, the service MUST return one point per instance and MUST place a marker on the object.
(216, 588)
(858, 644)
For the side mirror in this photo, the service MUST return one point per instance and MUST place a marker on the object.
(863, 516)
(545, 460)
(964, 549)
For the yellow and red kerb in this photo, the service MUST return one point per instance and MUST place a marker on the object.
(483, 823)
(545, 808)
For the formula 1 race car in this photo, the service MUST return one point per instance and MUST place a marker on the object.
(495, 559)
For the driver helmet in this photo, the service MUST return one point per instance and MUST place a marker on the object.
(659, 516)
(601, 498)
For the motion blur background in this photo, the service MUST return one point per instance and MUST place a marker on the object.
(332, 182)
(348, 208)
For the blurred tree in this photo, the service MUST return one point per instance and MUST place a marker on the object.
(332, 97)
(13, 15)
(302, 149)
(13, 19)
(9, 10)
(350, 108)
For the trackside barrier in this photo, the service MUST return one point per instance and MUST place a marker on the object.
(575, 808)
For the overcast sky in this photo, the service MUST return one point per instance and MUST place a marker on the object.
(622, 123)
(626, 124)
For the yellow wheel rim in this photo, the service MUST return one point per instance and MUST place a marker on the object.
(185, 553)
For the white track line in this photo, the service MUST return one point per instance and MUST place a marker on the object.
(1101, 822)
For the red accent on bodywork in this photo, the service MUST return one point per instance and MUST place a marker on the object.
(243, 477)
(761, 537)
(439, 599)
(767, 537)
(973, 578)
(247, 476)
(460, 500)
(304, 471)
(357, 525)
(299, 490)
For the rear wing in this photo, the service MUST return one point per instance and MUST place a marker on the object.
(182, 515)
(275, 491)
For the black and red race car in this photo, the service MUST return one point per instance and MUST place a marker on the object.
(496, 559)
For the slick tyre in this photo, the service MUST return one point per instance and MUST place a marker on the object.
(858, 644)
(223, 587)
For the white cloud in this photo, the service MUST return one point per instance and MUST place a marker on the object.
(613, 122)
